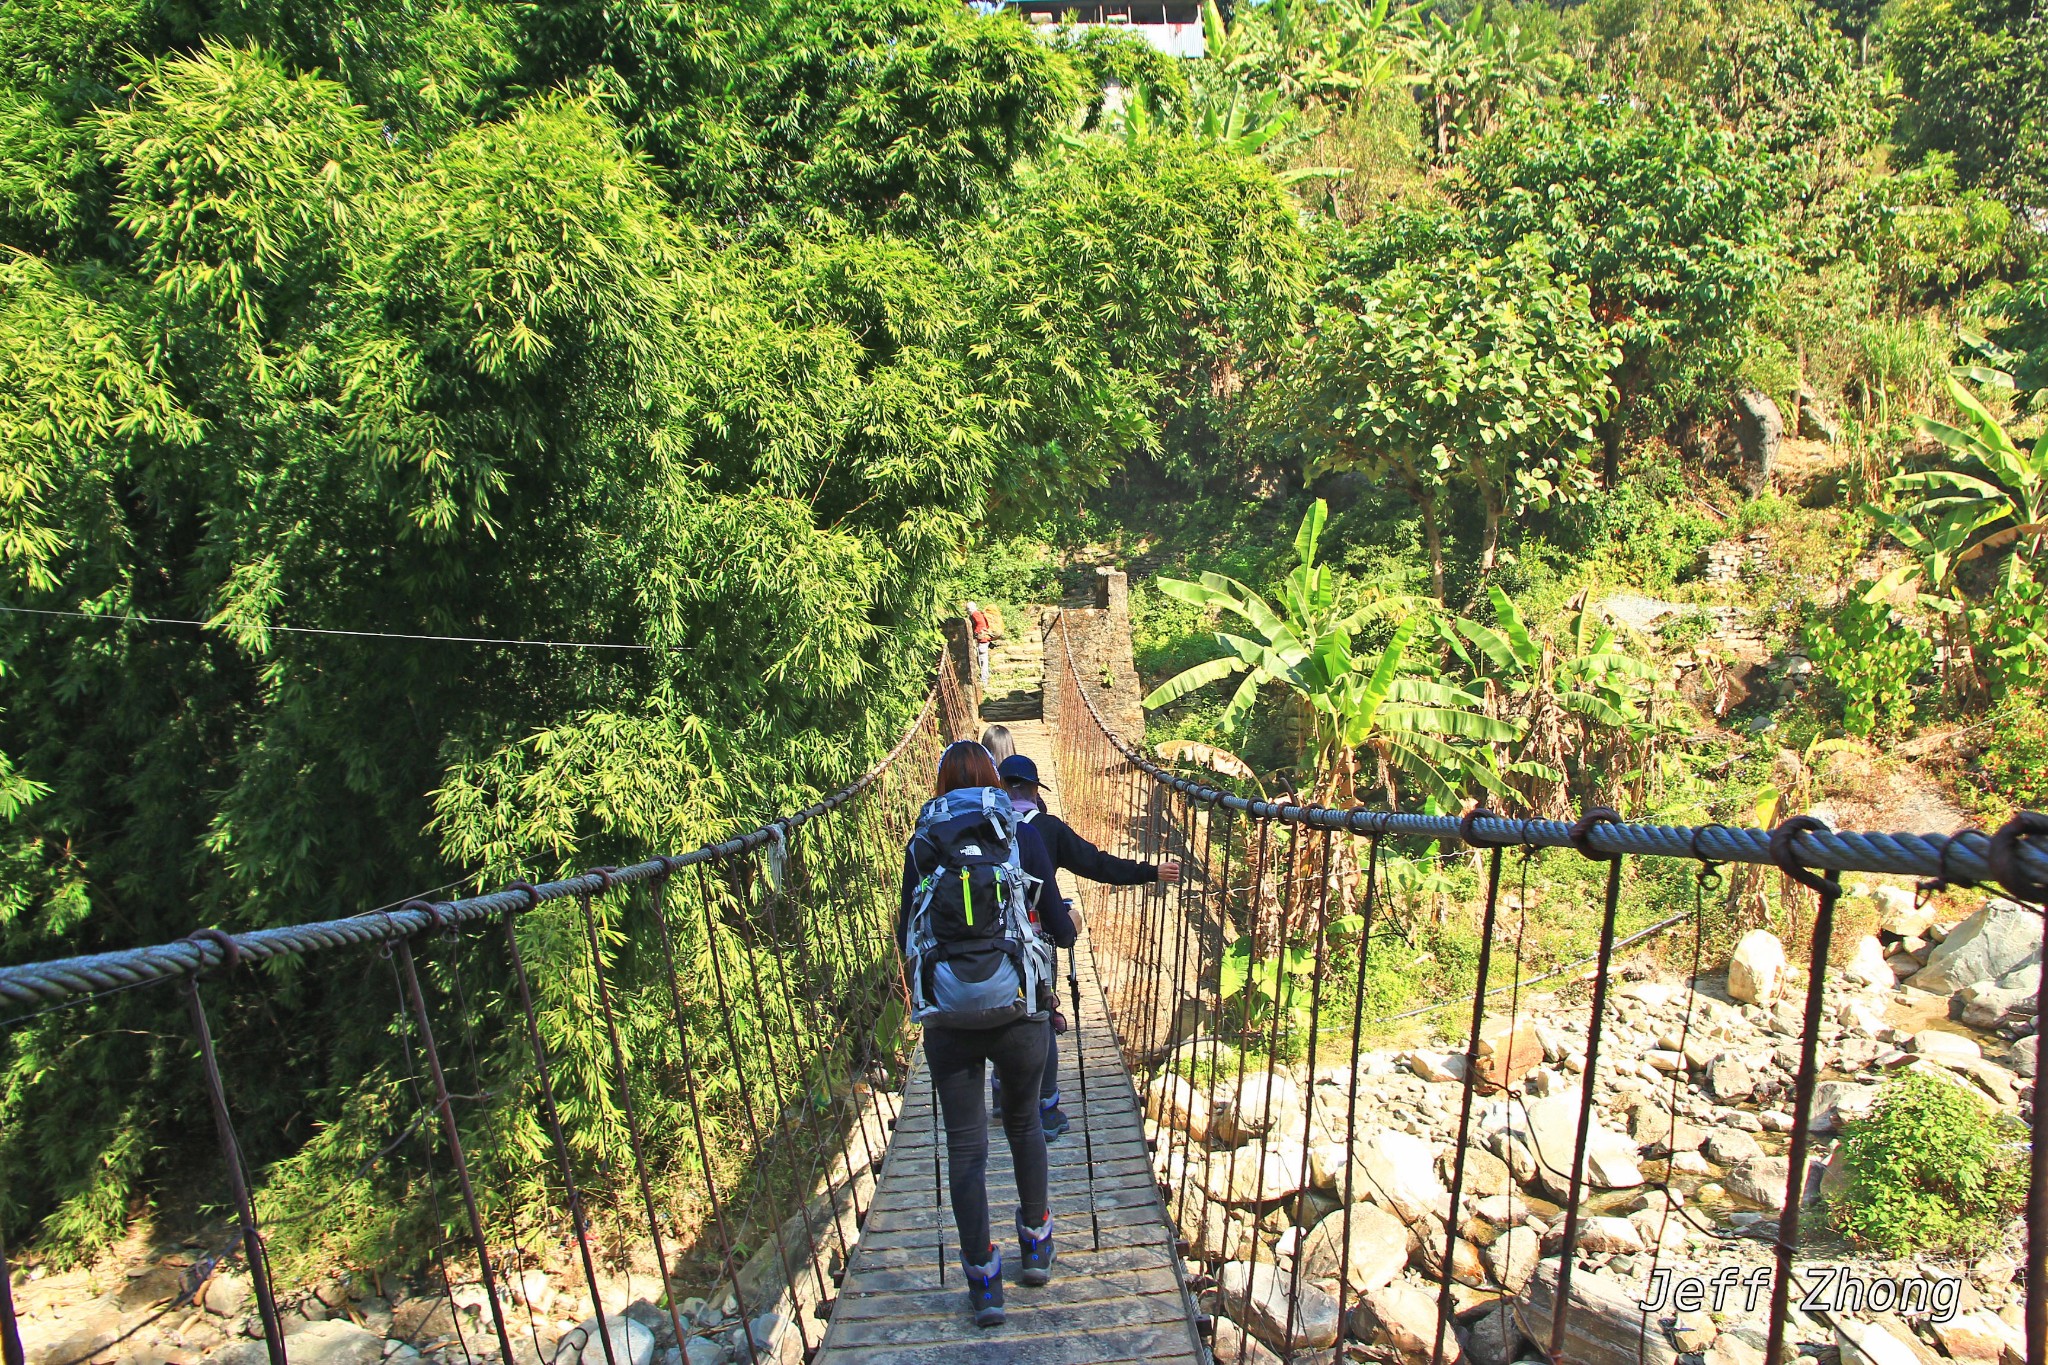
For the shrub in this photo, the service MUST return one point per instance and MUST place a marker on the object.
(1870, 660)
(1931, 1169)
(2013, 768)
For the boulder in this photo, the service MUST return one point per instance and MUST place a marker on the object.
(632, 1342)
(1604, 1326)
(1838, 1102)
(1466, 1267)
(1240, 1112)
(1378, 1249)
(1729, 1349)
(1760, 1181)
(1729, 1080)
(1944, 1047)
(705, 1351)
(1171, 1102)
(1513, 1256)
(2001, 937)
(1397, 1171)
(1868, 1343)
(1439, 1068)
(1658, 1133)
(1241, 1177)
(1903, 916)
(336, 1342)
(1485, 1174)
(228, 1295)
(1756, 971)
(2023, 1055)
(1256, 1296)
(1814, 422)
(1759, 431)
(1979, 1335)
(1609, 1235)
(1508, 1050)
(1404, 1317)
(1551, 1128)
(1235, 1346)
(1494, 1339)
(1986, 1004)
(1867, 965)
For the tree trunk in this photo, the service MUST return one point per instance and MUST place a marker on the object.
(1489, 548)
(1433, 538)
(1610, 450)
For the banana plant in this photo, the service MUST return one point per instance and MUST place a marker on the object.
(2001, 490)
(1586, 699)
(1415, 728)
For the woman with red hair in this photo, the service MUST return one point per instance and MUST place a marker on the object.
(959, 1058)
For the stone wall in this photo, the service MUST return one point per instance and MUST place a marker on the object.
(1100, 637)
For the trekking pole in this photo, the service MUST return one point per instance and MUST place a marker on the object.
(1081, 1066)
(938, 1203)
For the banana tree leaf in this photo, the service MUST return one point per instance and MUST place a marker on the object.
(1512, 625)
(1192, 680)
(1491, 643)
(1240, 702)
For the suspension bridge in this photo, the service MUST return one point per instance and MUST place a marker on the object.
(780, 1168)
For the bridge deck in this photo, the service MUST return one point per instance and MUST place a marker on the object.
(1123, 1302)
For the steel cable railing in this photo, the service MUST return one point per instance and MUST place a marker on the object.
(746, 991)
(1320, 1214)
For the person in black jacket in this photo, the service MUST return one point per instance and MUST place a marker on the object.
(1070, 851)
(958, 1059)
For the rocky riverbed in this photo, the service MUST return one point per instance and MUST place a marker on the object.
(1685, 1173)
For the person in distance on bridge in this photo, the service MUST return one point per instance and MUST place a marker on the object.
(958, 1060)
(1075, 854)
(977, 621)
(999, 742)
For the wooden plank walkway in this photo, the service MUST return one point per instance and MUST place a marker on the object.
(1123, 1302)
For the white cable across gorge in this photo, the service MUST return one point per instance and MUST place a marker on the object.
(131, 618)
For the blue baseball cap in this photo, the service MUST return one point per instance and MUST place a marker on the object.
(1018, 768)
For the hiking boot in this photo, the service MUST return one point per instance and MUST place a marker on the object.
(1037, 1243)
(1056, 1122)
(985, 1290)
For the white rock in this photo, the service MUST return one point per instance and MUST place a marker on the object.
(1174, 1103)
(1512, 1258)
(2004, 935)
(632, 1342)
(1397, 1171)
(1868, 965)
(335, 1342)
(1756, 971)
(1438, 1067)
(1404, 1317)
(1943, 1046)
(1901, 915)
(1240, 1113)
(1615, 1236)
(1378, 1248)
(1256, 1295)
(1655, 994)
(1690, 1163)
(1867, 1343)
(1239, 1177)
(1550, 1126)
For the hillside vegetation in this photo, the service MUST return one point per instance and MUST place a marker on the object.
(752, 336)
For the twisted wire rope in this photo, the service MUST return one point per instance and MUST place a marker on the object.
(1961, 857)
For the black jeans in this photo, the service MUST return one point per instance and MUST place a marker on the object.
(959, 1060)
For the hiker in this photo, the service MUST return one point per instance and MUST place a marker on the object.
(999, 743)
(976, 894)
(978, 623)
(1070, 851)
